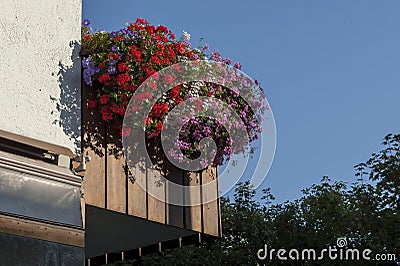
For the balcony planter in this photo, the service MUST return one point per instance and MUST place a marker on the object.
(120, 62)
(116, 66)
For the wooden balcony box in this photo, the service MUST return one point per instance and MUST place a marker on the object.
(120, 214)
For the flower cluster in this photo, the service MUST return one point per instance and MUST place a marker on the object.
(119, 62)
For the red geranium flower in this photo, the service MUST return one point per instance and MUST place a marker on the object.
(125, 132)
(172, 35)
(128, 87)
(165, 61)
(141, 21)
(114, 56)
(171, 53)
(118, 38)
(150, 73)
(91, 104)
(155, 60)
(142, 96)
(174, 92)
(105, 98)
(150, 29)
(114, 108)
(104, 78)
(177, 68)
(162, 29)
(159, 109)
(159, 127)
(179, 47)
(122, 67)
(136, 108)
(168, 79)
(178, 100)
(153, 85)
(149, 120)
(105, 114)
(136, 53)
(160, 46)
(123, 79)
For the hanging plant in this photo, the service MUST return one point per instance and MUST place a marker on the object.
(120, 61)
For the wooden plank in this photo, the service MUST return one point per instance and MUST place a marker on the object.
(210, 208)
(94, 182)
(93, 145)
(115, 172)
(193, 212)
(41, 230)
(155, 186)
(174, 212)
(137, 194)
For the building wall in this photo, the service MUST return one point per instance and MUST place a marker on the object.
(40, 70)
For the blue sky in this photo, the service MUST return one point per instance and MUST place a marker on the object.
(330, 69)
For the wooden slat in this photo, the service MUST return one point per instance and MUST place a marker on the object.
(156, 203)
(193, 212)
(174, 212)
(115, 174)
(210, 209)
(94, 146)
(94, 182)
(41, 230)
(136, 194)
(116, 185)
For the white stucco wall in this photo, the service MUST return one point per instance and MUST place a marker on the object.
(40, 69)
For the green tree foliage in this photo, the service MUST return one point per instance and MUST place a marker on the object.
(366, 213)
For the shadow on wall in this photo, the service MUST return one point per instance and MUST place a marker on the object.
(69, 103)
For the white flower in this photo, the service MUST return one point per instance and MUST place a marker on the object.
(185, 36)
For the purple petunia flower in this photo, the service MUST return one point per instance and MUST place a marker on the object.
(111, 70)
(89, 70)
(113, 34)
(87, 79)
(111, 62)
(86, 61)
(86, 22)
(115, 48)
